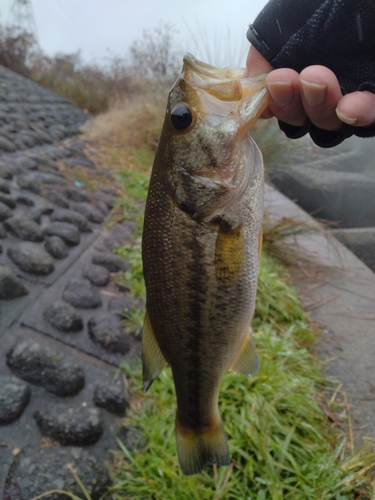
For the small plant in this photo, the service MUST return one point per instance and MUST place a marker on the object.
(279, 238)
(132, 279)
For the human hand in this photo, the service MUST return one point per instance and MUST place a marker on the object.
(314, 93)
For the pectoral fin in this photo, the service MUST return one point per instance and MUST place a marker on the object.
(229, 254)
(152, 357)
(247, 361)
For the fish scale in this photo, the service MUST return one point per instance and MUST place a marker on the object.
(200, 248)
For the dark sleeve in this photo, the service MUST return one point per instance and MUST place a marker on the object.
(338, 34)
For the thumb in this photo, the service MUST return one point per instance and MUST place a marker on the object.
(256, 64)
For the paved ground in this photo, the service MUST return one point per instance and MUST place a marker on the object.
(338, 291)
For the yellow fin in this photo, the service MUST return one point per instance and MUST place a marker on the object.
(152, 358)
(199, 447)
(247, 361)
(229, 254)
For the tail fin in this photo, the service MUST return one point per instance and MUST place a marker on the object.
(197, 448)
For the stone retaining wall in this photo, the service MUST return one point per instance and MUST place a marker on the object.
(61, 312)
(31, 115)
(336, 185)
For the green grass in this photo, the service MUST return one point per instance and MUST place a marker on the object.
(132, 279)
(142, 156)
(135, 184)
(282, 443)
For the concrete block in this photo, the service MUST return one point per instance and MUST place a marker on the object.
(343, 197)
(361, 241)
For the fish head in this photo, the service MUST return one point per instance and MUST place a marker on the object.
(209, 114)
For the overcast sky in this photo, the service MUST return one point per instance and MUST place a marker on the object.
(100, 27)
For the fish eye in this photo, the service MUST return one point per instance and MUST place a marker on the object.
(181, 117)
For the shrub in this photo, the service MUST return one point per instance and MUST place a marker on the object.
(16, 49)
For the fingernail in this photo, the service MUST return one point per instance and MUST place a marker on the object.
(345, 118)
(281, 92)
(314, 93)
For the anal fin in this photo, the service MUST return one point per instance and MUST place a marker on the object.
(152, 358)
(247, 360)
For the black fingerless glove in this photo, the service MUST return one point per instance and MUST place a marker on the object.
(338, 34)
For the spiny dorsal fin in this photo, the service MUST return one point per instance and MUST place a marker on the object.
(247, 361)
(152, 357)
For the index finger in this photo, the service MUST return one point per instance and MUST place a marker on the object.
(256, 64)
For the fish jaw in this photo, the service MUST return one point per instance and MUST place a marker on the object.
(207, 199)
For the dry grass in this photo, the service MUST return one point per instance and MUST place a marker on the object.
(135, 123)
(126, 136)
(280, 237)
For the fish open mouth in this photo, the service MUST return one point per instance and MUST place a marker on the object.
(212, 71)
(226, 86)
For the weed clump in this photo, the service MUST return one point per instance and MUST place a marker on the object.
(136, 123)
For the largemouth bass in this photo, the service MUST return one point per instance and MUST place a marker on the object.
(201, 243)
